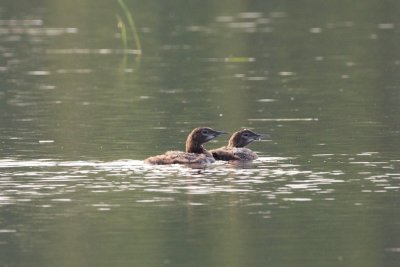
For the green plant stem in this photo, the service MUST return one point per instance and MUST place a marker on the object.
(132, 26)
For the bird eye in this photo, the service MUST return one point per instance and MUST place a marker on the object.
(204, 132)
(246, 135)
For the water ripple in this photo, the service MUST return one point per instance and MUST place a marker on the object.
(272, 178)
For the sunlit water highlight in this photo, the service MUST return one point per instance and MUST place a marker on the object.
(274, 178)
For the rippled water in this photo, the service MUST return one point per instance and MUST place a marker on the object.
(279, 203)
(80, 110)
(273, 178)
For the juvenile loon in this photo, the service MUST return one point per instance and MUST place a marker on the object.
(195, 153)
(236, 150)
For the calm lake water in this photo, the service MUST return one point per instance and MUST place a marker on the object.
(81, 106)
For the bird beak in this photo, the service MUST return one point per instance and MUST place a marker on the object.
(217, 133)
(262, 136)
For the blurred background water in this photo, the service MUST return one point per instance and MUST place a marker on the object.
(80, 109)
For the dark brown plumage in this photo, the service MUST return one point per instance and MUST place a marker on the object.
(236, 150)
(195, 153)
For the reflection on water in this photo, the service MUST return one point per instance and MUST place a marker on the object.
(274, 178)
(270, 190)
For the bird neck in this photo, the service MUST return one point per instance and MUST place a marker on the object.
(231, 144)
(235, 142)
(194, 147)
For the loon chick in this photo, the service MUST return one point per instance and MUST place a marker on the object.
(195, 153)
(236, 150)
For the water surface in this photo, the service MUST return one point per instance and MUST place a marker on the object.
(80, 110)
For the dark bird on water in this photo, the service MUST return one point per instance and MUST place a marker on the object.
(195, 153)
(236, 150)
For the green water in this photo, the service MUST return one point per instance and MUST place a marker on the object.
(80, 108)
